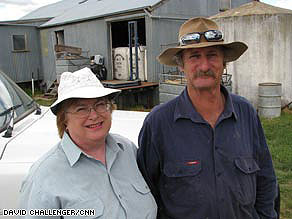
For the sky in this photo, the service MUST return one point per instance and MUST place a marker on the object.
(15, 9)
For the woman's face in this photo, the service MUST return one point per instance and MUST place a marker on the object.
(88, 121)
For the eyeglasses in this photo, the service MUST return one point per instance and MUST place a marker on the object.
(84, 111)
(210, 36)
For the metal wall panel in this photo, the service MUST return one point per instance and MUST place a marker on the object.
(20, 66)
(183, 8)
(91, 36)
(162, 35)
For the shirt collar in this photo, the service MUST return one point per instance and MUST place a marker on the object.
(229, 106)
(185, 109)
(73, 152)
(113, 147)
(114, 143)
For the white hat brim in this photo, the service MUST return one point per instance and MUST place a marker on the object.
(85, 92)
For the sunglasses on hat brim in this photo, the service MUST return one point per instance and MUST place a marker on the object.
(210, 36)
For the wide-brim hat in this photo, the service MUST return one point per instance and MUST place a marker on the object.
(81, 84)
(232, 51)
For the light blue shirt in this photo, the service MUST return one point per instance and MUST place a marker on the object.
(67, 178)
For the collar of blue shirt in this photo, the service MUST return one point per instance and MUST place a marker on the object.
(184, 108)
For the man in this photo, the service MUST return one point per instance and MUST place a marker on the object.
(204, 153)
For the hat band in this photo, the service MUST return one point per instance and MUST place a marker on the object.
(210, 36)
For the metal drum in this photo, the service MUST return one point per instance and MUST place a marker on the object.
(269, 102)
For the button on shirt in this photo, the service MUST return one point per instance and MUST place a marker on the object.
(67, 178)
(197, 172)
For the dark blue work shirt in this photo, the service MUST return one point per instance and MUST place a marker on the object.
(199, 172)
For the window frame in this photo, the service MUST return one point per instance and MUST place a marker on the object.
(60, 37)
(25, 43)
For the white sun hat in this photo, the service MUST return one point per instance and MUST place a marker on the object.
(81, 84)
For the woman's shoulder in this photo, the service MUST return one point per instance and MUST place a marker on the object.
(50, 160)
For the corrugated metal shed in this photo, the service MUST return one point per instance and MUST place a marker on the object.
(21, 66)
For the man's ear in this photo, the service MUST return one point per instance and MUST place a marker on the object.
(181, 69)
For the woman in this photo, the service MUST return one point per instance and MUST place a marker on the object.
(90, 170)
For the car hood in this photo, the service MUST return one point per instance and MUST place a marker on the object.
(33, 140)
(32, 137)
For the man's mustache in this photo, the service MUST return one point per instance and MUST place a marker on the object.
(202, 73)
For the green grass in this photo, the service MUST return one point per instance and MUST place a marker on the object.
(278, 132)
(39, 96)
(43, 101)
(29, 92)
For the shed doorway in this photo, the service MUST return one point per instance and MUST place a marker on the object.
(125, 55)
(128, 47)
(120, 33)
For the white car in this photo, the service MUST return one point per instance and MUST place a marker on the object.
(28, 131)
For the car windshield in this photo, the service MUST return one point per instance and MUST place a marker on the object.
(13, 102)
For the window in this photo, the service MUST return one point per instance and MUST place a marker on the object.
(60, 37)
(224, 5)
(19, 42)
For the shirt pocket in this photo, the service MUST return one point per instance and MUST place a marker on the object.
(247, 165)
(142, 202)
(141, 188)
(86, 208)
(182, 182)
(246, 173)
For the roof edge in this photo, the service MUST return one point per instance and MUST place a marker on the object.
(157, 5)
(92, 18)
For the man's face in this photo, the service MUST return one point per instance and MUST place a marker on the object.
(203, 67)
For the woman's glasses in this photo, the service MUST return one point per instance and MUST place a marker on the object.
(84, 111)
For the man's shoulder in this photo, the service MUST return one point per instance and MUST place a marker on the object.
(240, 103)
(237, 99)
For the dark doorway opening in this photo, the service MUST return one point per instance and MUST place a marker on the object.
(120, 33)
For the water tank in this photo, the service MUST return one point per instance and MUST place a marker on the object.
(121, 63)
